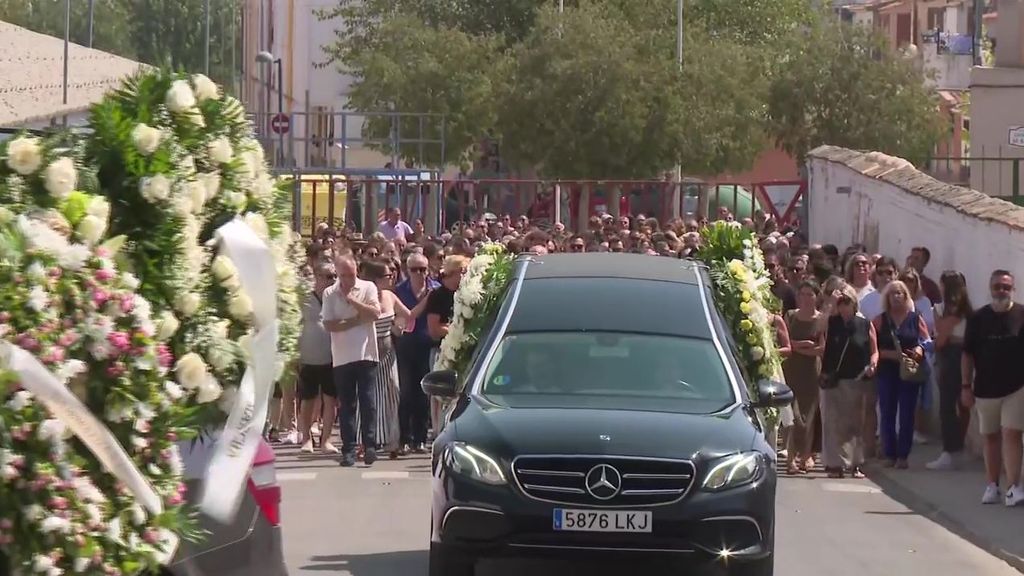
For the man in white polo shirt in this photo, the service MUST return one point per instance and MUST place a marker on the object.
(350, 307)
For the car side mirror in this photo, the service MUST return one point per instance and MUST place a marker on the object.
(773, 395)
(441, 383)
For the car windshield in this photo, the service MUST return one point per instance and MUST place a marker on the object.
(608, 370)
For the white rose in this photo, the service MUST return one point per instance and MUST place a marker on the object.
(182, 206)
(146, 139)
(99, 207)
(209, 390)
(155, 188)
(180, 97)
(5, 215)
(168, 325)
(187, 303)
(174, 392)
(219, 329)
(24, 155)
(211, 182)
(235, 199)
(263, 188)
(206, 89)
(197, 196)
(60, 177)
(191, 371)
(240, 306)
(757, 352)
(220, 150)
(231, 284)
(223, 268)
(258, 224)
(91, 229)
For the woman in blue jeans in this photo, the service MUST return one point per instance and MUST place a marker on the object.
(902, 332)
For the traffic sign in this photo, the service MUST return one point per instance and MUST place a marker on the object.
(280, 124)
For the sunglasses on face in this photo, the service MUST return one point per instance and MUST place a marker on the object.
(1002, 288)
(577, 247)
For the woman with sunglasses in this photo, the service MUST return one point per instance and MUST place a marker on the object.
(951, 320)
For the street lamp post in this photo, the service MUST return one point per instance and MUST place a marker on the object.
(206, 37)
(265, 57)
(92, 8)
(67, 46)
(677, 191)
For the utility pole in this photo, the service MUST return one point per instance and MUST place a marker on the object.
(92, 8)
(206, 36)
(677, 190)
(67, 45)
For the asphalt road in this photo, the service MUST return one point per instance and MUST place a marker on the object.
(374, 522)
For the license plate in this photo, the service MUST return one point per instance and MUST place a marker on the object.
(601, 521)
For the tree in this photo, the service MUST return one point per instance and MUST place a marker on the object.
(593, 97)
(842, 85)
(110, 22)
(412, 67)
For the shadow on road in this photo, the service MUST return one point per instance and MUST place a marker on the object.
(404, 562)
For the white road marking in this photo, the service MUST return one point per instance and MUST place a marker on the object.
(385, 475)
(287, 476)
(850, 488)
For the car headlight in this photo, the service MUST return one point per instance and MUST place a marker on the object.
(466, 460)
(733, 471)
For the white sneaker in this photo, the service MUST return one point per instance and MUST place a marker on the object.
(308, 446)
(943, 462)
(329, 448)
(1014, 496)
(315, 429)
(920, 438)
(991, 495)
(292, 437)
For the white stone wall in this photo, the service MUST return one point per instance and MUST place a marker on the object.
(891, 207)
(891, 220)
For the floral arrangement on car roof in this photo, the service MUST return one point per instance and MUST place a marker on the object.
(744, 298)
(476, 301)
(129, 318)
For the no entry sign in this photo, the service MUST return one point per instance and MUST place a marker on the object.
(280, 124)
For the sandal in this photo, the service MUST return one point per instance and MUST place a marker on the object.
(792, 469)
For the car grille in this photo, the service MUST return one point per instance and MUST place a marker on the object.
(641, 481)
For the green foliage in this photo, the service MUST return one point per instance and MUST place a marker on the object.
(595, 92)
(413, 67)
(841, 85)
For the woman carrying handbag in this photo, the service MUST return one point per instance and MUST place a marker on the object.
(848, 362)
(902, 370)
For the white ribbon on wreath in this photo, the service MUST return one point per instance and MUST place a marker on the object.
(66, 407)
(236, 448)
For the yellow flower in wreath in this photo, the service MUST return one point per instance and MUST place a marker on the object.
(746, 296)
(746, 325)
(745, 307)
(752, 339)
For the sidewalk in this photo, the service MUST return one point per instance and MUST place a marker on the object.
(953, 499)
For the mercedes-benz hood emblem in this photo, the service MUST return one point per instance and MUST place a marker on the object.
(604, 482)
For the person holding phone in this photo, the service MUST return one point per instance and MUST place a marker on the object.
(848, 365)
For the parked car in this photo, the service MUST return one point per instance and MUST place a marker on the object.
(604, 413)
(251, 544)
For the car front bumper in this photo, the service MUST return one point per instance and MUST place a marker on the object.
(482, 521)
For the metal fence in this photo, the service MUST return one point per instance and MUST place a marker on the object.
(994, 170)
(321, 137)
(359, 200)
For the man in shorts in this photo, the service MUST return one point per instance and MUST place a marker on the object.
(993, 380)
(316, 374)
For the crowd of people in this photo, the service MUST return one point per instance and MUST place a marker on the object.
(869, 342)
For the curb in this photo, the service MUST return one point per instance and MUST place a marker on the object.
(927, 509)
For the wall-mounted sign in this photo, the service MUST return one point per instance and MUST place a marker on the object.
(1016, 136)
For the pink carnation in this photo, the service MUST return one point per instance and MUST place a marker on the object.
(104, 275)
(120, 340)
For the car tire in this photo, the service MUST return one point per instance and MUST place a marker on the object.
(762, 567)
(447, 562)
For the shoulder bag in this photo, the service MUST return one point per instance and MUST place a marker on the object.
(910, 370)
(830, 381)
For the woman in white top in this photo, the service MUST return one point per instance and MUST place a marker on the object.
(951, 320)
